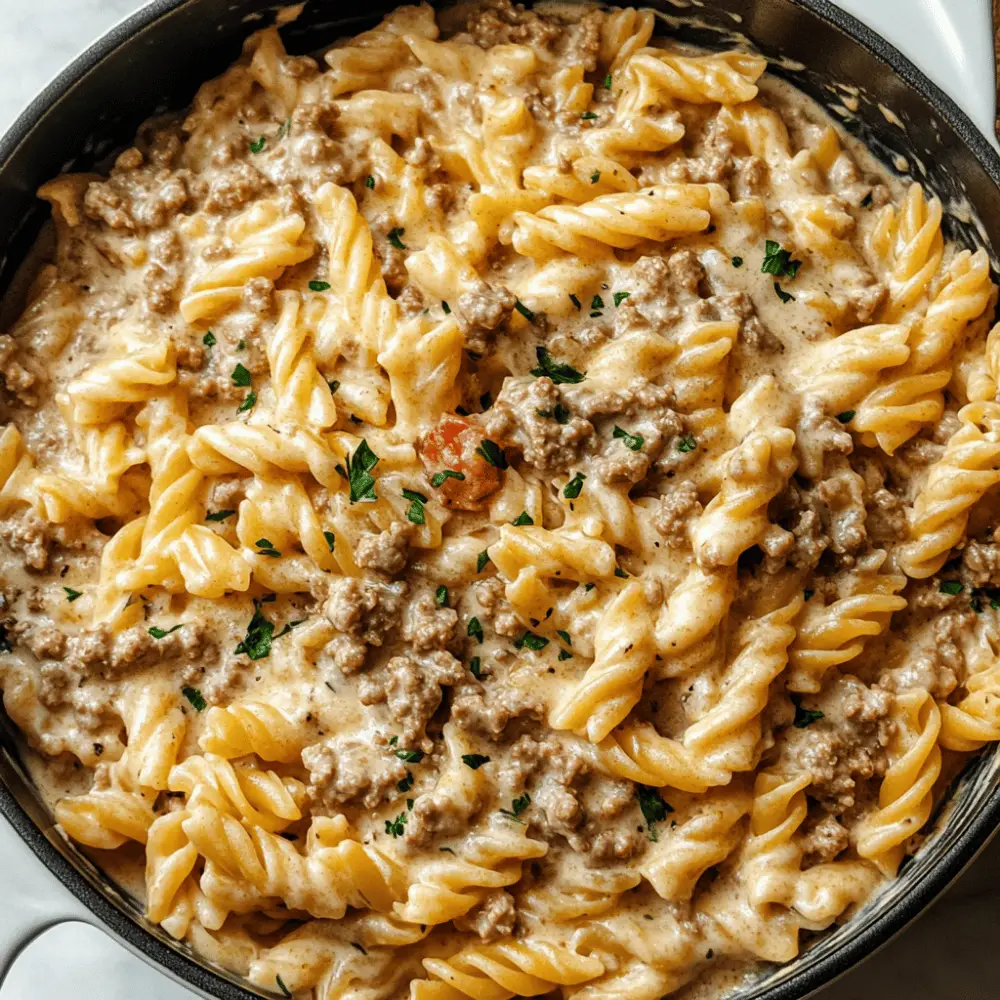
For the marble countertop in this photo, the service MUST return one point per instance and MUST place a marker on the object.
(951, 952)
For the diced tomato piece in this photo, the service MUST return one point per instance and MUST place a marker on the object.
(452, 445)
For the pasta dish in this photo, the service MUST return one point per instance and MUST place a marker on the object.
(501, 507)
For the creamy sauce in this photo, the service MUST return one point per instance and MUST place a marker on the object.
(491, 485)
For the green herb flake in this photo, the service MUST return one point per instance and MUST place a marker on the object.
(475, 629)
(242, 376)
(737, 262)
(395, 827)
(219, 515)
(866, 202)
(481, 560)
(492, 453)
(331, 539)
(359, 467)
(319, 286)
(977, 605)
(446, 308)
(439, 477)
(360, 947)
(286, 127)
(778, 262)
(209, 339)
(441, 596)
(561, 413)
(597, 302)
(72, 595)
(633, 442)
(475, 666)
(575, 301)
(475, 760)
(687, 443)
(415, 512)
(572, 489)
(524, 310)
(588, 587)
(847, 416)
(620, 297)
(248, 404)
(565, 636)
(161, 633)
(951, 587)
(260, 634)
(565, 654)
(560, 373)
(241, 346)
(807, 594)
(782, 294)
(196, 698)
(534, 642)
(370, 182)
(281, 986)
(410, 756)
(394, 237)
(607, 82)
(595, 177)
(406, 784)
(654, 809)
(517, 807)
(620, 573)
(804, 716)
(258, 144)
(588, 116)
(266, 548)
(522, 519)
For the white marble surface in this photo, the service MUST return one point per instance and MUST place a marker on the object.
(950, 954)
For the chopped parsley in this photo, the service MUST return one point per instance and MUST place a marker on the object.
(360, 947)
(248, 404)
(620, 297)
(737, 262)
(266, 548)
(948, 587)
(394, 238)
(258, 144)
(522, 519)
(777, 261)
(575, 301)
(632, 441)
(524, 310)
(209, 339)
(475, 666)
(359, 467)
(607, 82)
(597, 302)
(410, 756)
(559, 372)
(804, 716)
(415, 512)
(620, 573)
(595, 177)
(807, 594)
(492, 453)
(782, 294)
(370, 182)
(406, 784)
(565, 654)
(588, 116)
(517, 807)
(481, 560)
(219, 515)
(441, 596)
(260, 634)
(196, 698)
(72, 595)
(241, 345)
(160, 633)
(242, 376)
(475, 629)
(439, 477)
(474, 760)
(654, 809)
(847, 416)
(866, 202)
(687, 443)
(532, 641)
(565, 636)
(446, 308)
(281, 986)
(286, 126)
(395, 827)
(319, 286)
(331, 539)
(572, 489)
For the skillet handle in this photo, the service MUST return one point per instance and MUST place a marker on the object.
(31, 898)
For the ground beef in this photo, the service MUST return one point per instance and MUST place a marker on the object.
(492, 919)
(345, 769)
(886, 518)
(162, 276)
(486, 711)
(675, 512)
(981, 564)
(845, 747)
(480, 310)
(822, 839)
(234, 187)
(937, 667)
(524, 416)
(411, 689)
(495, 608)
(15, 371)
(817, 436)
(614, 845)
(427, 626)
(713, 159)
(652, 301)
(140, 197)
(387, 551)
(26, 533)
(500, 22)
(362, 611)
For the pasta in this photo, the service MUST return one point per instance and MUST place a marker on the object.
(503, 508)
